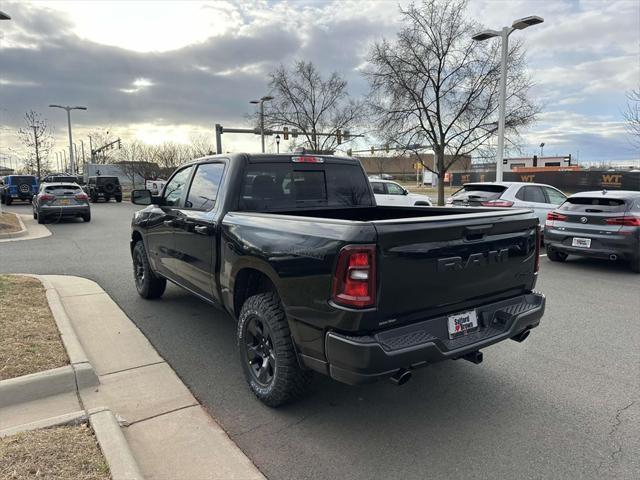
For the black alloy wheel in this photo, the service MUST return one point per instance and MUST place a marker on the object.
(258, 345)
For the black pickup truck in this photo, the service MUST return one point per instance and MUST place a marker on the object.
(321, 279)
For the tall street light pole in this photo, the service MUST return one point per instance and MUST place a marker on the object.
(260, 102)
(519, 24)
(72, 163)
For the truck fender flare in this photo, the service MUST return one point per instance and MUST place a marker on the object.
(257, 264)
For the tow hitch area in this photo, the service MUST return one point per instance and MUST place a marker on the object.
(473, 357)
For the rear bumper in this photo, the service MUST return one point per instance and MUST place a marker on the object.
(367, 358)
(64, 211)
(623, 246)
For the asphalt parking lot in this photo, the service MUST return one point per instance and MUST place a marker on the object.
(563, 404)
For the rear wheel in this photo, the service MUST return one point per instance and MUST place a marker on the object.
(267, 355)
(118, 198)
(635, 264)
(556, 256)
(35, 214)
(2, 199)
(147, 283)
(8, 200)
(86, 217)
(41, 218)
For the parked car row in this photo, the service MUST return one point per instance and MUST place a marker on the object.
(599, 224)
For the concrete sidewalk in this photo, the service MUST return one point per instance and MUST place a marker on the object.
(32, 230)
(169, 433)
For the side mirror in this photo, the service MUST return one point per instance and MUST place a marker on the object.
(405, 192)
(141, 197)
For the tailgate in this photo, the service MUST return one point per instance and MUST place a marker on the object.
(444, 264)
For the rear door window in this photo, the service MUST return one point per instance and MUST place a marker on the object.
(554, 196)
(378, 188)
(532, 194)
(594, 205)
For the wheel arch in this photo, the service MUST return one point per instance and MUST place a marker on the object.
(249, 281)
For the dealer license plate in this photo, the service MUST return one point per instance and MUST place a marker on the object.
(64, 201)
(462, 323)
(581, 242)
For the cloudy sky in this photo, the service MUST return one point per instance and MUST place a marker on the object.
(161, 71)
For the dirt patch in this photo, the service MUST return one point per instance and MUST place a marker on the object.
(9, 223)
(63, 453)
(29, 338)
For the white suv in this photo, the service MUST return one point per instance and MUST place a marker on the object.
(390, 193)
(539, 197)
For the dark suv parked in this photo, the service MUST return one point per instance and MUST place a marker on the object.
(18, 187)
(104, 187)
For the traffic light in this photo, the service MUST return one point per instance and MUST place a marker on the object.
(345, 135)
(372, 150)
(350, 153)
(339, 136)
(119, 145)
(285, 133)
(386, 148)
(294, 133)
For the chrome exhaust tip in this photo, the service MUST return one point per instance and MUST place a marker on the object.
(401, 377)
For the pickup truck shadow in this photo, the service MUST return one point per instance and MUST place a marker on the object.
(580, 264)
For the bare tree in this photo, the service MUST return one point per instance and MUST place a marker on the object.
(169, 155)
(38, 140)
(202, 145)
(303, 100)
(436, 87)
(100, 138)
(134, 160)
(632, 116)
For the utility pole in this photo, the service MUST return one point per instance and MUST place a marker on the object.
(35, 136)
(266, 98)
(519, 24)
(71, 156)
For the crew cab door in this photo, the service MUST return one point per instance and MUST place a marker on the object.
(195, 231)
(162, 221)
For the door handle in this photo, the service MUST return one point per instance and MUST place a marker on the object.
(169, 223)
(201, 229)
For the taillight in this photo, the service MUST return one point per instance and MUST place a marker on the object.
(46, 197)
(81, 196)
(307, 159)
(354, 281)
(497, 203)
(538, 242)
(629, 221)
(552, 216)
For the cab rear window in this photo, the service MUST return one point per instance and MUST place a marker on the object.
(594, 204)
(281, 186)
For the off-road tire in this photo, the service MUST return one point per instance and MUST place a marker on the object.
(289, 381)
(556, 256)
(8, 200)
(118, 198)
(148, 285)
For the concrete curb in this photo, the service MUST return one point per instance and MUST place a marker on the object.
(122, 464)
(37, 385)
(76, 376)
(20, 233)
(72, 418)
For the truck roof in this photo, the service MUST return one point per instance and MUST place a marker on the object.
(277, 157)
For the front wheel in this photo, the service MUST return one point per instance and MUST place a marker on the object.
(147, 283)
(556, 256)
(267, 355)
